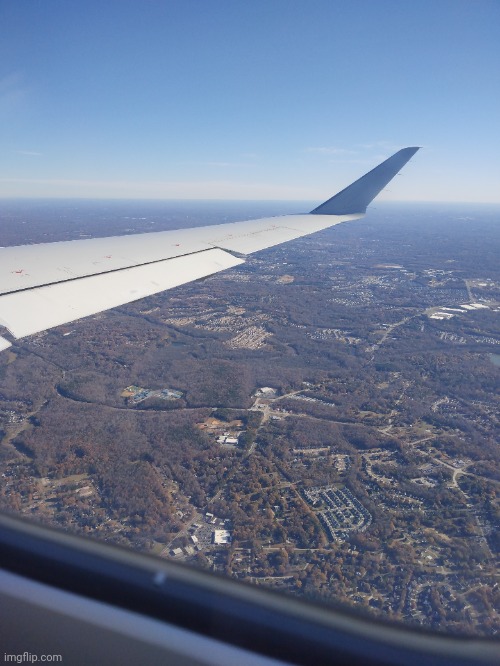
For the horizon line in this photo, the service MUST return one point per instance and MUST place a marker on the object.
(219, 199)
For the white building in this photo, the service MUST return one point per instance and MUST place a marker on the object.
(267, 391)
(221, 536)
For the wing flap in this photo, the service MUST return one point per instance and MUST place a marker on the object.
(28, 266)
(34, 310)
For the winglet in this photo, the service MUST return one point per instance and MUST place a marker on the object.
(355, 198)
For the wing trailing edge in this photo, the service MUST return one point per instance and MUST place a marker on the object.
(33, 310)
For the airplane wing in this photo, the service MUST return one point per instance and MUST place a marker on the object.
(46, 285)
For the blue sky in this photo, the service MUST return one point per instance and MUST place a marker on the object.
(268, 99)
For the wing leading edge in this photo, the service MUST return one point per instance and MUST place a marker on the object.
(42, 286)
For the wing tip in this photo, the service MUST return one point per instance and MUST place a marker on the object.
(409, 149)
(4, 344)
(356, 197)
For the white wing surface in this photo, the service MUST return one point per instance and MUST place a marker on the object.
(46, 285)
(34, 310)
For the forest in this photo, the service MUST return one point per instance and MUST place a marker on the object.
(371, 396)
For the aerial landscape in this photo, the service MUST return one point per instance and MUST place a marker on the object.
(322, 419)
(264, 440)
